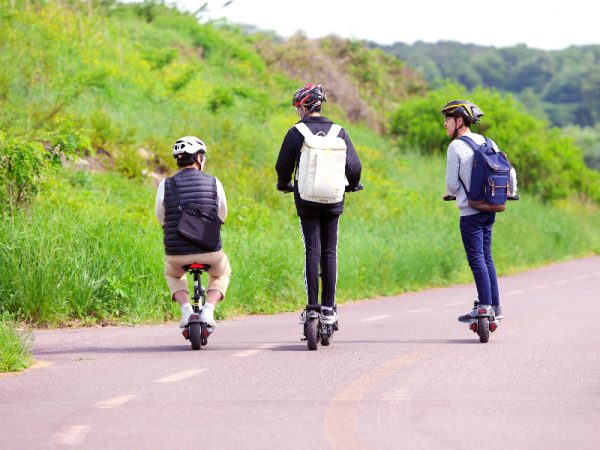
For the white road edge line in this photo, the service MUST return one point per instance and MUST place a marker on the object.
(454, 304)
(374, 318)
(73, 435)
(581, 277)
(114, 402)
(538, 287)
(417, 310)
(513, 293)
(180, 376)
(560, 282)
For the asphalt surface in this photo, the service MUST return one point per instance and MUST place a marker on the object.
(400, 373)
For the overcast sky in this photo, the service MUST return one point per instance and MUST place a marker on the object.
(550, 24)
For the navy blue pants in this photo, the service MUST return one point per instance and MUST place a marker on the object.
(476, 232)
(320, 235)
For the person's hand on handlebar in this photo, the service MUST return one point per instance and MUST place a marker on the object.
(449, 197)
(358, 187)
(285, 187)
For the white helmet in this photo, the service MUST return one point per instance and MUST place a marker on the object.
(188, 144)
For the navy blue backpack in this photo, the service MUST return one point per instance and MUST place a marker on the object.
(490, 178)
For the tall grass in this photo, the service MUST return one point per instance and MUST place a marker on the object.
(90, 249)
(15, 347)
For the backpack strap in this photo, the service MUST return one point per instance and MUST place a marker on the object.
(471, 142)
(488, 143)
(303, 129)
(334, 130)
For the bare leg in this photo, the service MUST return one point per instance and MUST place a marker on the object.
(181, 297)
(213, 296)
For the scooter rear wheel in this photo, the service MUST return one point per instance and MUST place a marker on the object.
(311, 334)
(483, 329)
(325, 341)
(195, 329)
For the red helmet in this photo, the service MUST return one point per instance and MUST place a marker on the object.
(310, 96)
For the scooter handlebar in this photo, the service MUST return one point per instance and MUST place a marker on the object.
(357, 188)
(449, 198)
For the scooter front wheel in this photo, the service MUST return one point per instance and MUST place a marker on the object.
(311, 334)
(195, 335)
(483, 329)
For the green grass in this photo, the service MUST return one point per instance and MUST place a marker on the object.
(15, 347)
(90, 250)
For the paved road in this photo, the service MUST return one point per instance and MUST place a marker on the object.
(401, 373)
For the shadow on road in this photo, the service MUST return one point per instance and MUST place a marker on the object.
(296, 347)
(411, 341)
(300, 347)
(149, 349)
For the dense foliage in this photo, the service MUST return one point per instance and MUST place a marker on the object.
(548, 163)
(562, 85)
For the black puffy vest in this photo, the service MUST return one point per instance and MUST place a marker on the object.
(193, 186)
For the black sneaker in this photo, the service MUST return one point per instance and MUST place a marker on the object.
(328, 316)
(498, 312)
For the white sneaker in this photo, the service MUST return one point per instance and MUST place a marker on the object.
(185, 317)
(302, 317)
(208, 316)
(329, 317)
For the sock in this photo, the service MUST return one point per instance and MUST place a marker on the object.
(209, 307)
(186, 307)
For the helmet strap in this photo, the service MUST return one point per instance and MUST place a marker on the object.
(456, 128)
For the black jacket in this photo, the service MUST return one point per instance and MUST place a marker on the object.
(289, 157)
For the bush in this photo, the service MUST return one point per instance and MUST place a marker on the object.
(21, 166)
(548, 164)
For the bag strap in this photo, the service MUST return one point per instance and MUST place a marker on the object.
(463, 185)
(471, 142)
(334, 130)
(173, 184)
(303, 129)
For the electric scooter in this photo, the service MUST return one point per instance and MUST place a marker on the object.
(196, 331)
(315, 331)
(485, 321)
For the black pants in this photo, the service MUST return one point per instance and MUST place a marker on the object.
(320, 234)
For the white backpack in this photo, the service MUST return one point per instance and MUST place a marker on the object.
(321, 174)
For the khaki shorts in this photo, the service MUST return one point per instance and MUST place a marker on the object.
(218, 275)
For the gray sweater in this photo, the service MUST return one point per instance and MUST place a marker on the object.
(460, 160)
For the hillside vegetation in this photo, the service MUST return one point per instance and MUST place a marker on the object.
(94, 94)
(562, 85)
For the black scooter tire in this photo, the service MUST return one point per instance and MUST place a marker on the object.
(483, 329)
(325, 341)
(195, 335)
(311, 334)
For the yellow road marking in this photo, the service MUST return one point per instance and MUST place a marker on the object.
(341, 414)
